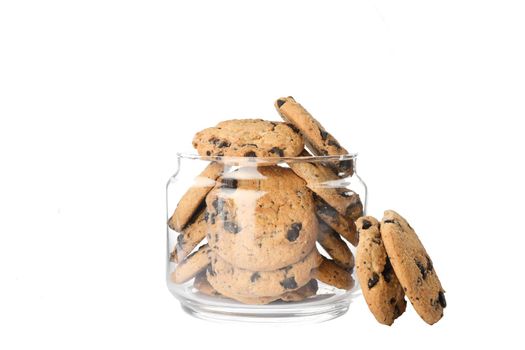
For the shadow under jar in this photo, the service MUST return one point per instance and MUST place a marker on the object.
(264, 239)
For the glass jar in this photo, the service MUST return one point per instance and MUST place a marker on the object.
(264, 239)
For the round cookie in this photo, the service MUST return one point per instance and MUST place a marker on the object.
(328, 186)
(335, 246)
(233, 281)
(330, 273)
(381, 289)
(310, 289)
(321, 142)
(190, 237)
(249, 138)
(191, 266)
(194, 196)
(336, 221)
(261, 219)
(413, 267)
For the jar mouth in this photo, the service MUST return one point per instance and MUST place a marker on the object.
(298, 159)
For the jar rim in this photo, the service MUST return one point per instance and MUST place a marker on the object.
(297, 159)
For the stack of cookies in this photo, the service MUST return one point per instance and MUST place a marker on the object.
(248, 227)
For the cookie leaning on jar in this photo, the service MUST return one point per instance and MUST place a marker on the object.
(391, 262)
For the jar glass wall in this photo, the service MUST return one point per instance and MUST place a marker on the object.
(264, 239)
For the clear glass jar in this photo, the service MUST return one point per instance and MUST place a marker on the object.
(264, 239)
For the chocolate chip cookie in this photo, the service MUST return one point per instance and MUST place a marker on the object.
(345, 227)
(194, 196)
(321, 142)
(261, 219)
(335, 246)
(233, 281)
(328, 186)
(190, 237)
(413, 267)
(191, 266)
(381, 289)
(249, 138)
(330, 273)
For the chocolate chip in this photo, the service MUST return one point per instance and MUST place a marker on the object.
(392, 301)
(388, 271)
(231, 227)
(250, 154)
(442, 300)
(255, 276)
(421, 268)
(229, 183)
(223, 144)
(324, 134)
(352, 207)
(218, 205)
(277, 151)
(280, 102)
(289, 283)
(206, 216)
(373, 281)
(346, 165)
(210, 270)
(366, 224)
(390, 222)
(293, 127)
(293, 232)
(376, 240)
(430, 266)
(334, 143)
(325, 209)
(219, 143)
(208, 153)
(212, 219)
(180, 240)
(397, 311)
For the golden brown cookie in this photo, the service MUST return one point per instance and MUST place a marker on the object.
(233, 281)
(249, 138)
(381, 289)
(194, 196)
(261, 219)
(345, 227)
(328, 186)
(331, 273)
(413, 267)
(190, 237)
(310, 289)
(191, 266)
(335, 246)
(321, 142)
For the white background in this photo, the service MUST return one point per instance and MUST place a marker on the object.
(97, 96)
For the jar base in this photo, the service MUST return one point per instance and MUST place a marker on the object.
(322, 307)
